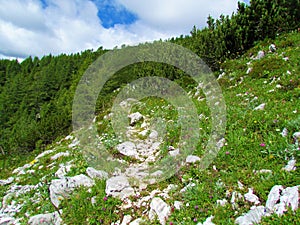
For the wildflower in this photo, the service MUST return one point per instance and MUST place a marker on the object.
(227, 153)
(171, 223)
(196, 207)
(105, 198)
(262, 144)
(195, 219)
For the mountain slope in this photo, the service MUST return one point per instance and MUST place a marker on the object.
(261, 90)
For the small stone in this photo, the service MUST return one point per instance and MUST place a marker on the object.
(60, 154)
(284, 132)
(291, 165)
(49, 218)
(177, 205)
(153, 135)
(222, 202)
(260, 107)
(252, 217)
(250, 197)
(7, 181)
(119, 187)
(96, 174)
(137, 222)
(174, 152)
(135, 117)
(126, 220)
(272, 48)
(127, 148)
(296, 135)
(192, 159)
(161, 209)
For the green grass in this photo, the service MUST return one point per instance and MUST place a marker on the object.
(242, 154)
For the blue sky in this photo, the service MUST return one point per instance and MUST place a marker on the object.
(40, 27)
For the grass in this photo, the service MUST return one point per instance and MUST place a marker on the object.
(253, 142)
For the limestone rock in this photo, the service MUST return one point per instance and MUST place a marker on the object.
(192, 159)
(126, 220)
(49, 218)
(250, 197)
(61, 188)
(291, 165)
(273, 197)
(252, 217)
(7, 181)
(137, 222)
(161, 209)
(60, 154)
(96, 174)
(127, 148)
(135, 117)
(260, 107)
(119, 187)
(208, 221)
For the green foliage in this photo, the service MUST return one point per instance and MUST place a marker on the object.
(79, 209)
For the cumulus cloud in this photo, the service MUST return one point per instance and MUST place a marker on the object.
(178, 15)
(29, 27)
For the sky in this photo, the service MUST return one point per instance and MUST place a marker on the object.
(41, 27)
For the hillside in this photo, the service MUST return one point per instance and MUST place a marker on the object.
(258, 155)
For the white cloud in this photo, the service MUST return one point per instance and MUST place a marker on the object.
(178, 15)
(28, 28)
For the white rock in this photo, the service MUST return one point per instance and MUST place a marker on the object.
(290, 197)
(96, 174)
(262, 171)
(21, 170)
(284, 132)
(192, 159)
(61, 188)
(296, 135)
(60, 154)
(127, 148)
(49, 218)
(260, 55)
(63, 170)
(135, 117)
(126, 220)
(273, 197)
(69, 137)
(221, 143)
(119, 187)
(222, 202)
(208, 221)
(153, 135)
(235, 195)
(144, 133)
(137, 221)
(7, 181)
(272, 48)
(44, 154)
(285, 58)
(174, 152)
(161, 209)
(250, 197)
(177, 205)
(187, 187)
(6, 220)
(74, 143)
(291, 165)
(249, 70)
(252, 217)
(240, 185)
(260, 107)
